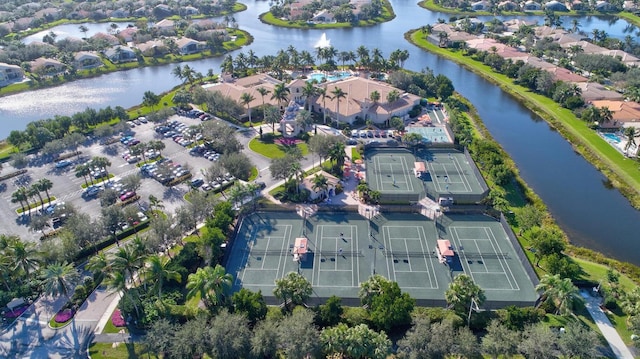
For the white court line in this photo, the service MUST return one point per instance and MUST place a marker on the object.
(500, 260)
(353, 268)
(465, 181)
(454, 238)
(481, 256)
(282, 248)
(430, 260)
(472, 227)
(334, 270)
(316, 260)
(245, 260)
(406, 248)
(387, 245)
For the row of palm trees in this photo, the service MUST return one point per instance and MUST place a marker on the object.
(294, 60)
(24, 195)
(86, 170)
(133, 265)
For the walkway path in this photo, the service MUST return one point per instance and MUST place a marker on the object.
(620, 350)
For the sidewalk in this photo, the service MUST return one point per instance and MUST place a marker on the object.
(620, 350)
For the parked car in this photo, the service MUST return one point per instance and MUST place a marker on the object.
(197, 182)
(127, 196)
(63, 164)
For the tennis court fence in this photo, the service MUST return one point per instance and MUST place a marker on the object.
(519, 251)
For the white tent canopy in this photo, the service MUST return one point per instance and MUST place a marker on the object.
(15, 302)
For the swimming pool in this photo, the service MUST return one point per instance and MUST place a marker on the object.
(335, 76)
(612, 137)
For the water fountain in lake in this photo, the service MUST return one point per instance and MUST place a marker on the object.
(323, 42)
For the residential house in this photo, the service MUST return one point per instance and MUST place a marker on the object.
(49, 14)
(508, 6)
(120, 13)
(86, 60)
(10, 73)
(586, 46)
(188, 46)
(295, 89)
(622, 111)
(166, 26)
(323, 16)
(544, 31)
(319, 193)
(623, 56)
(485, 44)
(120, 54)
(514, 25)
(531, 5)
(162, 10)
(22, 23)
(357, 103)
(554, 5)
(593, 91)
(189, 11)
(140, 12)
(577, 5)
(562, 74)
(630, 5)
(537, 62)
(47, 66)
(128, 34)
(481, 5)
(108, 38)
(153, 48)
(604, 6)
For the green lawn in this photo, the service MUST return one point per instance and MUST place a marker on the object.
(119, 351)
(254, 174)
(44, 202)
(623, 172)
(270, 149)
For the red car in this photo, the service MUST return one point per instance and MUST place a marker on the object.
(127, 195)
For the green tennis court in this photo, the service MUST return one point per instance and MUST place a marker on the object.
(344, 250)
(390, 171)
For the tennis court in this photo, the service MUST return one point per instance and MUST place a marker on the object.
(344, 250)
(432, 134)
(390, 171)
(451, 173)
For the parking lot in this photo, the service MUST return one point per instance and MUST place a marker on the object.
(67, 187)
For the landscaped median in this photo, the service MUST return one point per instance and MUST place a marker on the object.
(622, 172)
(276, 147)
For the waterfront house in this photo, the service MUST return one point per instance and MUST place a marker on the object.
(234, 88)
(188, 46)
(10, 73)
(604, 6)
(508, 6)
(86, 60)
(128, 34)
(153, 48)
(481, 5)
(47, 66)
(323, 16)
(120, 54)
(623, 111)
(108, 38)
(531, 5)
(562, 74)
(554, 5)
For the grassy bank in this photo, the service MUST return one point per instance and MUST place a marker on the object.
(387, 15)
(623, 173)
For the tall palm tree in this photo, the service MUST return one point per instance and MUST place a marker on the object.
(280, 93)
(126, 261)
(560, 292)
(336, 154)
(84, 171)
(6, 269)
(44, 184)
(211, 283)
(322, 92)
(118, 283)
(157, 271)
(20, 195)
(338, 94)
(99, 264)
(34, 191)
(246, 99)
(101, 162)
(263, 92)
(59, 278)
(308, 91)
(631, 133)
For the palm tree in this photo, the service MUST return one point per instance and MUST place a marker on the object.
(308, 91)
(559, 292)
(44, 184)
(337, 95)
(280, 93)
(320, 182)
(20, 195)
(336, 154)
(84, 171)
(443, 39)
(59, 278)
(263, 92)
(99, 264)
(157, 271)
(246, 99)
(155, 203)
(177, 72)
(6, 269)
(631, 133)
(393, 96)
(211, 283)
(102, 163)
(322, 92)
(374, 96)
(84, 30)
(34, 191)
(126, 261)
